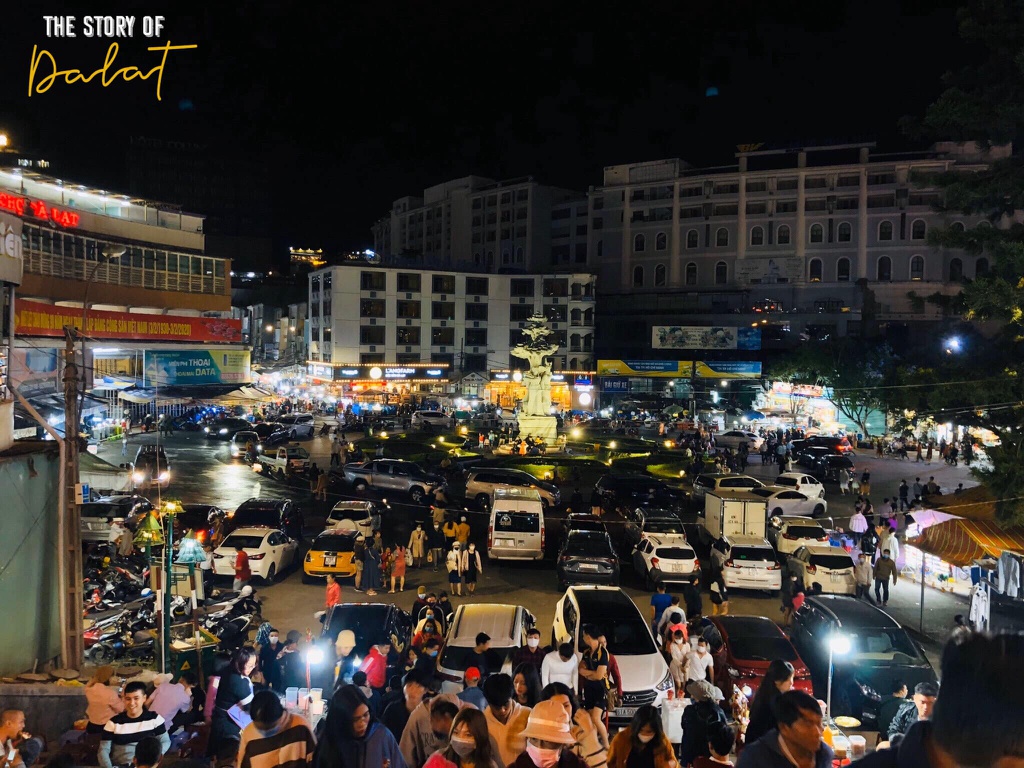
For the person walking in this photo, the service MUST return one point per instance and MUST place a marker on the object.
(471, 567)
(462, 532)
(124, 442)
(904, 494)
(844, 481)
(719, 597)
(777, 680)
(435, 538)
(884, 570)
(453, 562)
(865, 483)
(242, 572)
(449, 530)
(371, 570)
(862, 572)
(790, 587)
(928, 455)
(920, 451)
(314, 475)
(418, 546)
(336, 451)
(398, 565)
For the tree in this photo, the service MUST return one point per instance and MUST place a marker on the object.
(854, 374)
(984, 103)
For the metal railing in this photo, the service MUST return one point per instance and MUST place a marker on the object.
(114, 273)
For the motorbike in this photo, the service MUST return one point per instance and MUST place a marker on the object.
(231, 631)
(119, 642)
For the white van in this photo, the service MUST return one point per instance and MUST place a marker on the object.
(516, 531)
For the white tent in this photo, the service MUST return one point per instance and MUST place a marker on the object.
(101, 477)
(247, 395)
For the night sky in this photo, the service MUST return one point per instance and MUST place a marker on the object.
(355, 104)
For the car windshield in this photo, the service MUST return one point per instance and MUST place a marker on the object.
(457, 656)
(761, 648)
(587, 545)
(890, 644)
(248, 542)
(333, 543)
(740, 482)
(256, 516)
(832, 561)
(366, 621)
(663, 526)
(627, 636)
(102, 510)
(806, 532)
(749, 554)
(786, 481)
(675, 553)
(517, 522)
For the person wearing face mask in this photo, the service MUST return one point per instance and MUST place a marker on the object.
(588, 743)
(549, 739)
(435, 540)
(678, 650)
(350, 737)
(268, 660)
(862, 575)
(427, 662)
(700, 665)
(469, 745)
(643, 743)
(531, 653)
(884, 570)
(274, 737)
(454, 565)
(419, 603)
(418, 546)
(471, 567)
(428, 632)
(428, 728)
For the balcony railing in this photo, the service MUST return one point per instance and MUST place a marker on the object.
(113, 273)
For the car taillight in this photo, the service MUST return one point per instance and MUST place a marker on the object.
(260, 556)
(774, 567)
(655, 562)
(823, 538)
(542, 539)
(812, 569)
(490, 537)
(789, 536)
(729, 563)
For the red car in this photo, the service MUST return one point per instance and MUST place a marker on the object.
(750, 644)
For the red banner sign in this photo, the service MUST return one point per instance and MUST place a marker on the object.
(38, 208)
(33, 318)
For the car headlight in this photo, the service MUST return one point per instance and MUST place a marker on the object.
(868, 692)
(165, 476)
(223, 431)
(206, 430)
(138, 477)
(665, 684)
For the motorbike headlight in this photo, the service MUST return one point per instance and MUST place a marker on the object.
(665, 684)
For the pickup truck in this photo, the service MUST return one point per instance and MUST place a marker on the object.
(284, 460)
(393, 474)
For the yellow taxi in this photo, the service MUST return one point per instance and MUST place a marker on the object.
(331, 552)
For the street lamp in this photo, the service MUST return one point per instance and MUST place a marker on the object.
(953, 345)
(108, 254)
(838, 645)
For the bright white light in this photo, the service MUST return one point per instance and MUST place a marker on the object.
(840, 644)
(517, 376)
(954, 343)
(725, 383)
(314, 655)
(612, 445)
(714, 396)
(376, 372)
(585, 398)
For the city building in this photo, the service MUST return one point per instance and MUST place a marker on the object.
(476, 222)
(404, 321)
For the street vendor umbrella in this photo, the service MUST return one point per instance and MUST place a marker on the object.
(753, 415)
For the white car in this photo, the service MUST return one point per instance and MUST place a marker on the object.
(354, 516)
(788, 534)
(829, 567)
(664, 557)
(734, 438)
(715, 481)
(298, 424)
(436, 419)
(270, 552)
(746, 562)
(786, 501)
(645, 675)
(798, 481)
(506, 625)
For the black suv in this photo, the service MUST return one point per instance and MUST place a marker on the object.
(283, 514)
(369, 622)
(150, 468)
(880, 651)
(631, 490)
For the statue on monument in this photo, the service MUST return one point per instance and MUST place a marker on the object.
(538, 378)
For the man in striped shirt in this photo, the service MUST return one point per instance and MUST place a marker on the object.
(274, 737)
(123, 731)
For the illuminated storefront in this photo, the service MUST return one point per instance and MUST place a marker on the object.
(570, 390)
(384, 383)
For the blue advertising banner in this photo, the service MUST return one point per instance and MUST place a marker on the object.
(748, 338)
(729, 369)
(196, 366)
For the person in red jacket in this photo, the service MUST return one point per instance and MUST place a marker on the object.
(333, 591)
(242, 572)
(375, 665)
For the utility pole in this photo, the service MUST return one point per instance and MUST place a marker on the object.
(73, 646)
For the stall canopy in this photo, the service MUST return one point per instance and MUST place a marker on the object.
(972, 534)
(102, 477)
(248, 395)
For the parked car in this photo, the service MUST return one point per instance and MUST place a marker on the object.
(393, 475)
(297, 424)
(809, 455)
(270, 552)
(587, 557)
(95, 514)
(225, 429)
(787, 534)
(643, 520)
(786, 501)
(150, 468)
(506, 625)
(482, 481)
(368, 622)
(516, 530)
(268, 513)
(715, 481)
(746, 562)
(633, 490)
(829, 465)
(749, 645)
(355, 516)
(198, 518)
(664, 558)
(734, 438)
(835, 444)
(798, 481)
(271, 433)
(829, 567)
(438, 420)
(880, 652)
(283, 461)
(645, 675)
(330, 553)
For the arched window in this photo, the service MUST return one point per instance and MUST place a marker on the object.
(638, 277)
(722, 237)
(883, 273)
(504, 257)
(659, 275)
(956, 270)
(917, 267)
(721, 273)
(918, 229)
(574, 364)
(490, 258)
(814, 270)
(843, 270)
(692, 238)
(519, 255)
(981, 267)
(885, 230)
(757, 236)
(660, 241)
(476, 258)
(691, 273)
(600, 248)
(817, 233)
(783, 236)
(639, 243)
(957, 226)
(576, 317)
(845, 233)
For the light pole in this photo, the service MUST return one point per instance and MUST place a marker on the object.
(837, 645)
(108, 254)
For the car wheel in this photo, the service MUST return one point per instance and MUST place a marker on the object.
(271, 574)
(307, 579)
(819, 510)
(483, 501)
(360, 485)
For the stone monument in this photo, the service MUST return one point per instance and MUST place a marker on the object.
(535, 417)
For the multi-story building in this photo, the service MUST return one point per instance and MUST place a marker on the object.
(475, 222)
(465, 322)
(826, 239)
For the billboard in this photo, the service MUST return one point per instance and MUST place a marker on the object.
(704, 337)
(179, 367)
(729, 369)
(666, 368)
(770, 271)
(34, 318)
